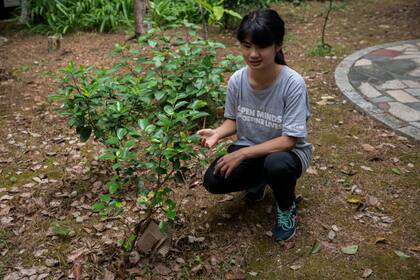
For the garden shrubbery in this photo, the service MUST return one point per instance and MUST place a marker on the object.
(145, 111)
(62, 16)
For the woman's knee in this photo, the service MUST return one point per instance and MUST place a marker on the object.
(279, 164)
(210, 182)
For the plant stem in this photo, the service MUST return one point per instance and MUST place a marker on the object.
(325, 23)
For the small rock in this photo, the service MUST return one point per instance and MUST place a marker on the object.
(226, 216)
(180, 260)
(367, 272)
(296, 266)
(12, 276)
(331, 235)
(197, 268)
(335, 228)
(253, 273)
(387, 220)
(213, 260)
(373, 201)
(235, 276)
(39, 253)
(28, 272)
(51, 262)
(3, 40)
(43, 276)
(269, 233)
(161, 269)
(99, 227)
(134, 257)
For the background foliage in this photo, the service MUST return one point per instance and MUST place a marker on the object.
(62, 16)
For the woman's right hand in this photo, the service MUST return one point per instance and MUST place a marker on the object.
(208, 137)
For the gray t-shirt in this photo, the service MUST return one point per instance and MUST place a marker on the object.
(261, 115)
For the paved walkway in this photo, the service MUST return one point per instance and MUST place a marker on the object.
(384, 82)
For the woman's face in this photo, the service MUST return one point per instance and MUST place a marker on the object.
(258, 58)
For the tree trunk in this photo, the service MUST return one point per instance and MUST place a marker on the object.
(140, 11)
(24, 14)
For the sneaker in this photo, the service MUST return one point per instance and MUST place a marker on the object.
(255, 194)
(286, 223)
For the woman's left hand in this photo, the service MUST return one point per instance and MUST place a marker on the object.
(226, 164)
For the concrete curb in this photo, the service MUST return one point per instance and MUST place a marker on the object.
(362, 105)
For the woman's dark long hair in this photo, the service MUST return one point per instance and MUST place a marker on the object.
(263, 28)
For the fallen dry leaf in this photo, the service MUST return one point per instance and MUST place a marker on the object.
(380, 240)
(311, 170)
(226, 197)
(76, 254)
(108, 275)
(235, 276)
(367, 272)
(296, 266)
(367, 168)
(77, 269)
(354, 199)
(368, 148)
(415, 248)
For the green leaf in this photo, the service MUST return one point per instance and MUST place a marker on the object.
(116, 166)
(350, 250)
(152, 43)
(98, 206)
(401, 254)
(150, 128)
(107, 157)
(170, 214)
(142, 123)
(316, 248)
(106, 198)
(163, 226)
(197, 104)
(112, 141)
(84, 133)
(121, 133)
(233, 13)
(218, 12)
(396, 170)
(159, 95)
(199, 115)
(113, 187)
(180, 104)
(168, 110)
(129, 144)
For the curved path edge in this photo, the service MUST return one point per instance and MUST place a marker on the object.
(361, 104)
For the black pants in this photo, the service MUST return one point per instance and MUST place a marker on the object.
(280, 170)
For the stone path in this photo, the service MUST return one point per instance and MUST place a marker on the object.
(384, 82)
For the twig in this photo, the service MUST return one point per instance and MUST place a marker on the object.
(325, 23)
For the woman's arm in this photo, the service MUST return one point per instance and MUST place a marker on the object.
(209, 137)
(226, 129)
(278, 144)
(226, 164)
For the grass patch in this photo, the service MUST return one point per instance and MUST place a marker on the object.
(323, 49)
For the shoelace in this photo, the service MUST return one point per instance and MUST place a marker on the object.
(284, 218)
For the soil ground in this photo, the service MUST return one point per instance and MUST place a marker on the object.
(48, 178)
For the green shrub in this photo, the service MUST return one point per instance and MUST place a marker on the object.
(62, 16)
(145, 111)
